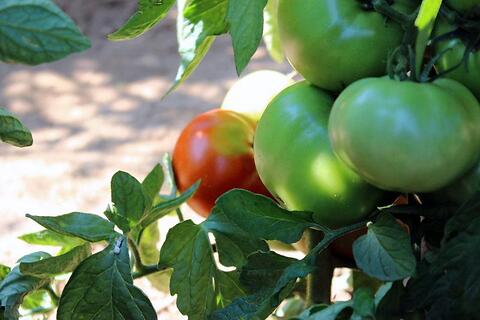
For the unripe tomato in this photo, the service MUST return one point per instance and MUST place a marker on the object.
(453, 51)
(216, 147)
(295, 160)
(251, 94)
(332, 43)
(407, 136)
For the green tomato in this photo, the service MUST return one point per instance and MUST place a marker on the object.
(406, 136)
(468, 74)
(463, 5)
(296, 163)
(332, 43)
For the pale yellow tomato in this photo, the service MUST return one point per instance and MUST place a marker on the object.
(251, 94)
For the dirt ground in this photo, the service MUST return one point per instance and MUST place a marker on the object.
(98, 112)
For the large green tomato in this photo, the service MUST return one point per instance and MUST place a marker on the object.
(468, 74)
(295, 161)
(407, 136)
(332, 43)
(463, 5)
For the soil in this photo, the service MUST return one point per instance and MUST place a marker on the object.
(97, 112)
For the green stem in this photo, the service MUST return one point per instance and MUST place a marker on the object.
(136, 254)
(53, 295)
(147, 270)
(319, 282)
(180, 215)
(382, 6)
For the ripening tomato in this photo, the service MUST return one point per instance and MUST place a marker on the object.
(216, 147)
(406, 136)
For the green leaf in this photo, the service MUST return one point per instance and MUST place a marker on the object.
(52, 266)
(263, 270)
(86, 226)
(152, 184)
(449, 287)
(37, 302)
(102, 288)
(149, 13)
(271, 35)
(262, 217)
(234, 245)
(363, 304)
(262, 303)
(37, 31)
(162, 209)
(120, 221)
(188, 251)
(198, 23)
(425, 22)
(331, 312)
(52, 238)
(12, 131)
(16, 285)
(245, 19)
(385, 252)
(4, 270)
(128, 197)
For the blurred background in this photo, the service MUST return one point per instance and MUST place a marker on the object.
(98, 112)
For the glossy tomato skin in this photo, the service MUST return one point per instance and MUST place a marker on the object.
(463, 5)
(216, 147)
(295, 161)
(406, 136)
(332, 43)
(454, 50)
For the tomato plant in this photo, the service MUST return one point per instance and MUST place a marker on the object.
(431, 128)
(317, 35)
(411, 130)
(216, 148)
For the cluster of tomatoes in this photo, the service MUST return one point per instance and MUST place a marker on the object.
(337, 143)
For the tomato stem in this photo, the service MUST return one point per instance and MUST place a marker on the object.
(319, 282)
(384, 8)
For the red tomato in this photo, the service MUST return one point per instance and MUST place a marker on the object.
(216, 147)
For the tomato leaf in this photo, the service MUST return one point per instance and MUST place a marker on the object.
(37, 302)
(385, 252)
(102, 288)
(128, 198)
(262, 217)
(198, 23)
(271, 35)
(37, 31)
(188, 251)
(52, 238)
(262, 303)
(4, 270)
(448, 287)
(16, 286)
(425, 22)
(12, 131)
(152, 184)
(61, 264)
(162, 209)
(263, 269)
(148, 14)
(86, 226)
(245, 19)
(389, 301)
